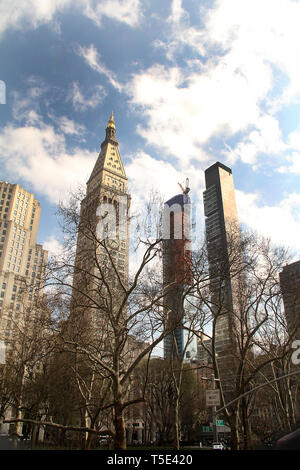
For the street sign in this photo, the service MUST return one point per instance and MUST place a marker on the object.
(213, 397)
(220, 422)
(207, 429)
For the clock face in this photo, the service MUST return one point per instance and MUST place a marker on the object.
(113, 243)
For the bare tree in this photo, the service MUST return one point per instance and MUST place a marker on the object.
(107, 309)
(240, 300)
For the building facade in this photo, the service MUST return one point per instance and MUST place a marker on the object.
(223, 244)
(22, 260)
(103, 235)
(22, 267)
(177, 276)
(290, 287)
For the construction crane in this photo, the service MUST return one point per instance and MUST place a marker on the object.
(186, 189)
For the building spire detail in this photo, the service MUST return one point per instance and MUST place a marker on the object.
(111, 122)
(110, 131)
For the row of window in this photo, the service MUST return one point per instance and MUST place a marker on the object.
(6, 191)
(7, 202)
(13, 267)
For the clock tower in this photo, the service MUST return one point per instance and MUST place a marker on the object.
(103, 235)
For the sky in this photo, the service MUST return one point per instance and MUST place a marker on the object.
(190, 82)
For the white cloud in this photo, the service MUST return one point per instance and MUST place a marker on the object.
(294, 166)
(67, 126)
(53, 246)
(25, 14)
(91, 56)
(280, 222)
(264, 31)
(265, 138)
(82, 102)
(184, 110)
(241, 67)
(294, 139)
(178, 14)
(26, 106)
(21, 14)
(293, 157)
(147, 174)
(39, 157)
(124, 11)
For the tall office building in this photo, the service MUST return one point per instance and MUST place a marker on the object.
(290, 287)
(177, 276)
(103, 237)
(22, 260)
(222, 237)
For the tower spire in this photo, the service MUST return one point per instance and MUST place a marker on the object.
(110, 131)
(111, 122)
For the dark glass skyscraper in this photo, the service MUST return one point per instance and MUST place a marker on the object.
(223, 239)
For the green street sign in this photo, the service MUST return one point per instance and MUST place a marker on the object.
(220, 422)
(207, 429)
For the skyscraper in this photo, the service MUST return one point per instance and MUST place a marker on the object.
(22, 260)
(290, 287)
(222, 237)
(103, 236)
(177, 275)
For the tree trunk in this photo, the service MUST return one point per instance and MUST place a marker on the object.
(245, 425)
(176, 426)
(34, 433)
(234, 437)
(120, 429)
